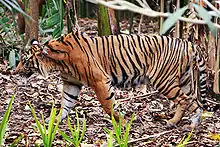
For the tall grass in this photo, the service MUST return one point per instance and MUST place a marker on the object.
(77, 133)
(4, 122)
(47, 133)
(184, 141)
(121, 133)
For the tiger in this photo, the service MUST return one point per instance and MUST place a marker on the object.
(123, 61)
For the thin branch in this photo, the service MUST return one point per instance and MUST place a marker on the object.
(125, 5)
(212, 7)
(146, 94)
(139, 25)
(138, 96)
(75, 16)
(149, 136)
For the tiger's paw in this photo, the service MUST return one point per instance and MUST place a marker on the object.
(171, 123)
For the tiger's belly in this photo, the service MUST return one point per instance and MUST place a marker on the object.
(129, 82)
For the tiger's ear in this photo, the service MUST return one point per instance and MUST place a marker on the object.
(34, 42)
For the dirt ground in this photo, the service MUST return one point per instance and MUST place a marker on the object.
(146, 129)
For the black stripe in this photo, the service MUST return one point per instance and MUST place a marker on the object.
(114, 77)
(177, 95)
(77, 71)
(67, 109)
(110, 97)
(70, 44)
(71, 96)
(104, 54)
(88, 44)
(78, 43)
(122, 56)
(128, 44)
(87, 78)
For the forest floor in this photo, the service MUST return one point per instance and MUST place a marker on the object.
(147, 128)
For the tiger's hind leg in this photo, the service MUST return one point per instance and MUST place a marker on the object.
(182, 101)
(195, 107)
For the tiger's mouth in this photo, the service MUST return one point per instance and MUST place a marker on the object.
(43, 70)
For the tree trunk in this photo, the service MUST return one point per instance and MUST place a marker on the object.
(103, 21)
(217, 71)
(70, 15)
(31, 26)
(20, 18)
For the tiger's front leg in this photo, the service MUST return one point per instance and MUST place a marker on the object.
(69, 96)
(105, 95)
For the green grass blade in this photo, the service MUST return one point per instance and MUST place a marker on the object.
(71, 128)
(6, 5)
(77, 127)
(128, 126)
(5, 120)
(186, 141)
(55, 5)
(56, 126)
(83, 129)
(44, 138)
(66, 137)
(110, 140)
(107, 130)
(15, 142)
(116, 130)
(44, 124)
(51, 125)
(16, 7)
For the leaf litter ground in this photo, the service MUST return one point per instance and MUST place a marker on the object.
(148, 128)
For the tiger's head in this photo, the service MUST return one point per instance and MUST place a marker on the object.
(32, 60)
(54, 55)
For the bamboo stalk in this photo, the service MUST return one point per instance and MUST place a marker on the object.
(162, 11)
(177, 28)
(217, 71)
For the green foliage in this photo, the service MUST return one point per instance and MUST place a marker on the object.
(49, 133)
(203, 13)
(172, 19)
(52, 18)
(4, 122)
(76, 132)
(110, 139)
(7, 26)
(207, 17)
(13, 5)
(183, 142)
(120, 134)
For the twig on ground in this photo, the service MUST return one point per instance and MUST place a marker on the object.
(149, 136)
(138, 96)
(146, 94)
